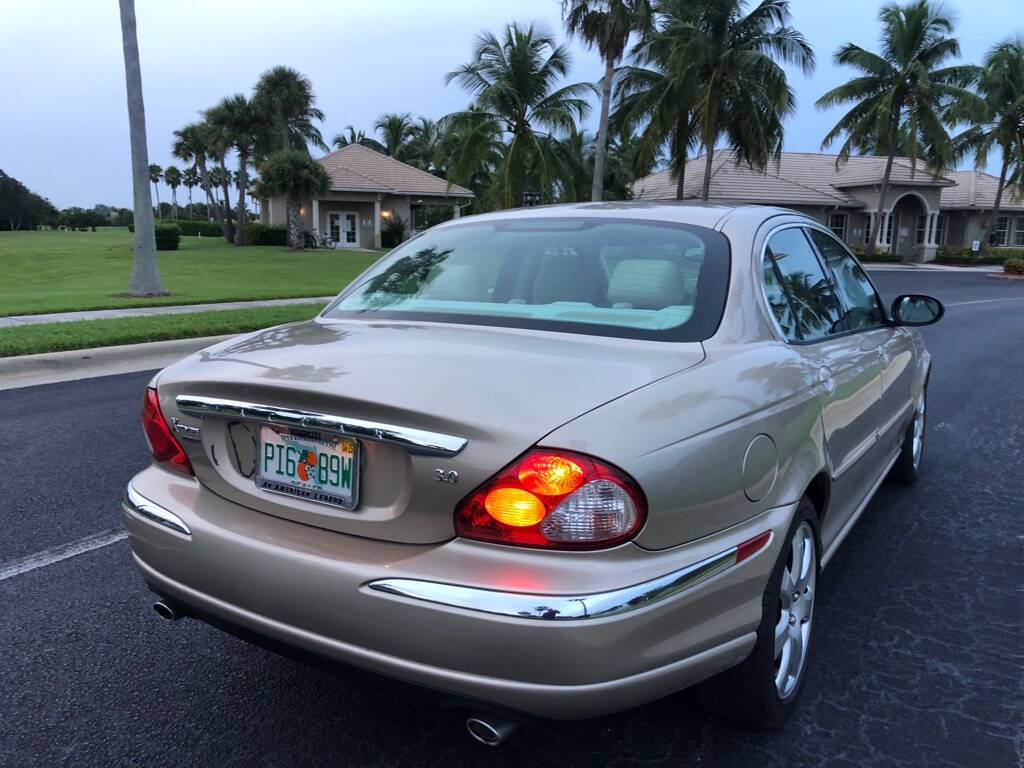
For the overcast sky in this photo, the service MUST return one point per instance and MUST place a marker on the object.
(63, 120)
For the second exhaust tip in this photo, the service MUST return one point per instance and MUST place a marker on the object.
(165, 611)
(490, 731)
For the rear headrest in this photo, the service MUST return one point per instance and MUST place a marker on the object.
(646, 284)
(454, 282)
(565, 278)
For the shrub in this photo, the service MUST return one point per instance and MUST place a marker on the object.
(257, 234)
(1014, 265)
(392, 232)
(877, 256)
(167, 237)
(961, 254)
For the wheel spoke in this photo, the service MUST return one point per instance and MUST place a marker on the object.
(786, 589)
(783, 672)
(781, 633)
(798, 554)
(796, 637)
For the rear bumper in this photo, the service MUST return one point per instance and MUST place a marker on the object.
(319, 592)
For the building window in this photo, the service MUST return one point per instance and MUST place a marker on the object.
(888, 228)
(940, 228)
(868, 223)
(1018, 232)
(921, 230)
(1002, 229)
(837, 223)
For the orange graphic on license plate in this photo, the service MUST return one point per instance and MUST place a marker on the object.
(308, 462)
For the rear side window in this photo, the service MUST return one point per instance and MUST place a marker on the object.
(862, 308)
(811, 310)
(614, 277)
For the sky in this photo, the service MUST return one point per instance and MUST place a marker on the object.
(64, 123)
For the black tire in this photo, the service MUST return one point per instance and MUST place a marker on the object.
(907, 466)
(747, 694)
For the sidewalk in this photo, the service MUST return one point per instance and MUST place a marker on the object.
(15, 321)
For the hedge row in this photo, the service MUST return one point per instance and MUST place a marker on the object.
(878, 255)
(257, 234)
(961, 254)
(1014, 265)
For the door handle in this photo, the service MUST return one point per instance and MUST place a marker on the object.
(825, 377)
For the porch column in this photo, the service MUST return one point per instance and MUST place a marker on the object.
(376, 221)
(316, 217)
(456, 211)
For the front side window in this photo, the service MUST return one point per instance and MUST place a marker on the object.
(613, 277)
(940, 228)
(813, 309)
(1002, 228)
(861, 306)
(868, 221)
(921, 229)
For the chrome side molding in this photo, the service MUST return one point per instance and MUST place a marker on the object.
(560, 607)
(140, 505)
(413, 440)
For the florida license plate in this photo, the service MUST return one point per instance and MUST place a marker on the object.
(322, 468)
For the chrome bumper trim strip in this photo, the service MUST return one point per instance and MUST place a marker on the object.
(140, 505)
(559, 607)
(413, 440)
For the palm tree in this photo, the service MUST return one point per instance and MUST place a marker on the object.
(395, 130)
(173, 178)
(285, 98)
(606, 24)
(190, 178)
(296, 176)
(901, 89)
(470, 150)
(356, 137)
(1001, 123)
(743, 94)
(423, 147)
(238, 125)
(192, 145)
(515, 80)
(145, 272)
(156, 173)
(659, 92)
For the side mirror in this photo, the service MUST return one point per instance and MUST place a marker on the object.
(915, 309)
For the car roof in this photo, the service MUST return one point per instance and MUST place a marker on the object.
(711, 215)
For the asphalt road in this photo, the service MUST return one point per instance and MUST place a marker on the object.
(919, 627)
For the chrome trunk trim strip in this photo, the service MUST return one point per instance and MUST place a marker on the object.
(559, 607)
(140, 505)
(413, 440)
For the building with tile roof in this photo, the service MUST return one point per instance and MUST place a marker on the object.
(921, 211)
(366, 189)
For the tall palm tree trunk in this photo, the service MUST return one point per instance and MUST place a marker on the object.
(243, 180)
(597, 190)
(709, 157)
(869, 249)
(190, 203)
(681, 180)
(994, 213)
(294, 223)
(229, 232)
(145, 272)
(159, 213)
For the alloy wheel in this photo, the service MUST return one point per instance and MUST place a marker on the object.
(796, 609)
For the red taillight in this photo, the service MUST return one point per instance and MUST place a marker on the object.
(556, 500)
(166, 449)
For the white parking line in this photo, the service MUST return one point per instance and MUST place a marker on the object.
(62, 552)
(981, 301)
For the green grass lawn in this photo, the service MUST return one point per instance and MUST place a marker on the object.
(82, 334)
(54, 271)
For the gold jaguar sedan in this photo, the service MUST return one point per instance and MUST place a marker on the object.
(557, 462)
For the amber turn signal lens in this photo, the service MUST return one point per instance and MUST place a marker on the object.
(515, 507)
(550, 474)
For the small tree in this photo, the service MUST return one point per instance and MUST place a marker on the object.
(297, 176)
(190, 178)
(156, 173)
(173, 178)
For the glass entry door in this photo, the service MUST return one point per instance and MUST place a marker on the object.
(343, 229)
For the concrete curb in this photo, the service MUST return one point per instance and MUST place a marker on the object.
(1003, 276)
(50, 367)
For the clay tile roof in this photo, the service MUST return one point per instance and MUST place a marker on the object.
(977, 189)
(355, 168)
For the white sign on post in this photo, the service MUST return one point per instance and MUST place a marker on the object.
(975, 245)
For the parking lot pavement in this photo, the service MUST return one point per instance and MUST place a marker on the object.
(917, 657)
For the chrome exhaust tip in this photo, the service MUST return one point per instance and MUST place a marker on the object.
(165, 611)
(490, 731)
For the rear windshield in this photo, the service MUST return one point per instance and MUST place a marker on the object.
(609, 277)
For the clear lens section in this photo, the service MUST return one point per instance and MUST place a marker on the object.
(599, 510)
